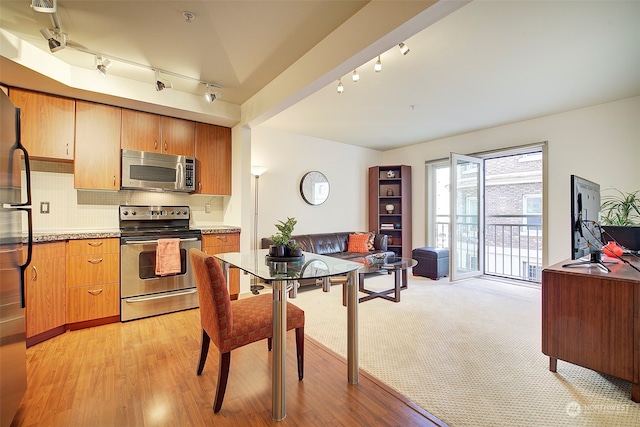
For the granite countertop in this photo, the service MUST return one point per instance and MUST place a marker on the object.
(61, 235)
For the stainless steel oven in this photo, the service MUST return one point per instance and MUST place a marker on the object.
(144, 293)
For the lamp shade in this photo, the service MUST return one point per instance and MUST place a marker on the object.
(258, 170)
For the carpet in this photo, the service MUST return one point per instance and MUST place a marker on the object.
(469, 353)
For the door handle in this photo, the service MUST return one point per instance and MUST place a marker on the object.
(95, 292)
(94, 261)
(35, 273)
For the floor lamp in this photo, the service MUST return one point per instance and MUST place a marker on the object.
(256, 171)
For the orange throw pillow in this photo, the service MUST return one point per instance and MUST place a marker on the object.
(358, 243)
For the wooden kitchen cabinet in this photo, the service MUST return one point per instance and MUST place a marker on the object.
(221, 243)
(213, 159)
(97, 158)
(178, 136)
(93, 279)
(44, 281)
(154, 133)
(47, 124)
(140, 131)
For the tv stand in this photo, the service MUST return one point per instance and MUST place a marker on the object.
(595, 259)
(590, 318)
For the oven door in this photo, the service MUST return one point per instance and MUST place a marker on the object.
(145, 294)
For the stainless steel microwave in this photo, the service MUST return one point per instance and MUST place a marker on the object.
(142, 170)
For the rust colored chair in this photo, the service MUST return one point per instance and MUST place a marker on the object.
(232, 324)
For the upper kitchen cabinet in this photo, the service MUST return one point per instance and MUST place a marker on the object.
(140, 131)
(97, 160)
(47, 122)
(160, 134)
(213, 159)
(178, 136)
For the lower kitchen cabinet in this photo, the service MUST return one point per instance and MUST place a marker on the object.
(221, 243)
(44, 281)
(93, 289)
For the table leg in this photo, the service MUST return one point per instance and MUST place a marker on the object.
(396, 278)
(278, 368)
(352, 327)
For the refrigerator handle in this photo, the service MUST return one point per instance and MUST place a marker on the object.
(27, 164)
(26, 263)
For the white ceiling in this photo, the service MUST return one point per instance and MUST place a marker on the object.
(487, 64)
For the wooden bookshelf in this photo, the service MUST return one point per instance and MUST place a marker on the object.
(391, 185)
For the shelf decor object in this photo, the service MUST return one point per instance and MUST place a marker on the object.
(390, 206)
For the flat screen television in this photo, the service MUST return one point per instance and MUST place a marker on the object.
(585, 215)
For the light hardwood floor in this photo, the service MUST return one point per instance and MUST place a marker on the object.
(142, 373)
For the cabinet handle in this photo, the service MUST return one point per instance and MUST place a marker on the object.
(95, 243)
(94, 261)
(95, 292)
(166, 146)
(35, 273)
(67, 149)
(155, 145)
(114, 180)
(222, 238)
(200, 186)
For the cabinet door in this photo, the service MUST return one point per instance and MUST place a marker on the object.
(97, 159)
(221, 243)
(213, 159)
(45, 288)
(93, 302)
(140, 131)
(47, 124)
(178, 136)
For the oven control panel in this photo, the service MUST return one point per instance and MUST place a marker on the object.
(150, 213)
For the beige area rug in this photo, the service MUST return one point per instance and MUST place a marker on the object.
(470, 354)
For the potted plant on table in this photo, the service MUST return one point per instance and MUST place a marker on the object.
(282, 243)
(620, 216)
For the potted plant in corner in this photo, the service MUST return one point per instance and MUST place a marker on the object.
(620, 217)
(282, 239)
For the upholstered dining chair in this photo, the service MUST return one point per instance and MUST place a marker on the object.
(232, 324)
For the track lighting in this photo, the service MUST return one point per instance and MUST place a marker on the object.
(102, 65)
(162, 83)
(403, 48)
(56, 41)
(355, 76)
(44, 6)
(210, 95)
(378, 65)
(340, 86)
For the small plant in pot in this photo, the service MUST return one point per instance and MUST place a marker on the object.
(282, 238)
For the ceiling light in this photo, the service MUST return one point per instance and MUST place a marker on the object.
(56, 41)
(378, 65)
(403, 48)
(189, 16)
(44, 6)
(340, 86)
(355, 76)
(162, 83)
(210, 95)
(102, 65)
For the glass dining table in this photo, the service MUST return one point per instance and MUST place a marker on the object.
(283, 277)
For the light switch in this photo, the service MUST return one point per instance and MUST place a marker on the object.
(44, 207)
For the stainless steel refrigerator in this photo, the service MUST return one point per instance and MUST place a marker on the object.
(15, 255)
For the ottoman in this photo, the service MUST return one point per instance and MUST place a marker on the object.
(432, 262)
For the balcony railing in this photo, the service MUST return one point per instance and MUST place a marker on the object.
(512, 244)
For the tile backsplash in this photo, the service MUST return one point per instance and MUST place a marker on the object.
(71, 209)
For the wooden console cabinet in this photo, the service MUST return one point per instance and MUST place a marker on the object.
(592, 318)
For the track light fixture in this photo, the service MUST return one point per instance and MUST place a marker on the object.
(378, 65)
(210, 95)
(162, 83)
(102, 65)
(403, 48)
(340, 86)
(56, 40)
(355, 76)
(44, 6)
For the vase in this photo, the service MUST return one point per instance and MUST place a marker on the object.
(277, 250)
(389, 191)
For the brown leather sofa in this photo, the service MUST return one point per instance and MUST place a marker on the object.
(334, 245)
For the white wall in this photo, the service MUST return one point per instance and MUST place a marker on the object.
(287, 158)
(599, 143)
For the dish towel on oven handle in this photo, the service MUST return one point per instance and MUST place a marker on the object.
(168, 257)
